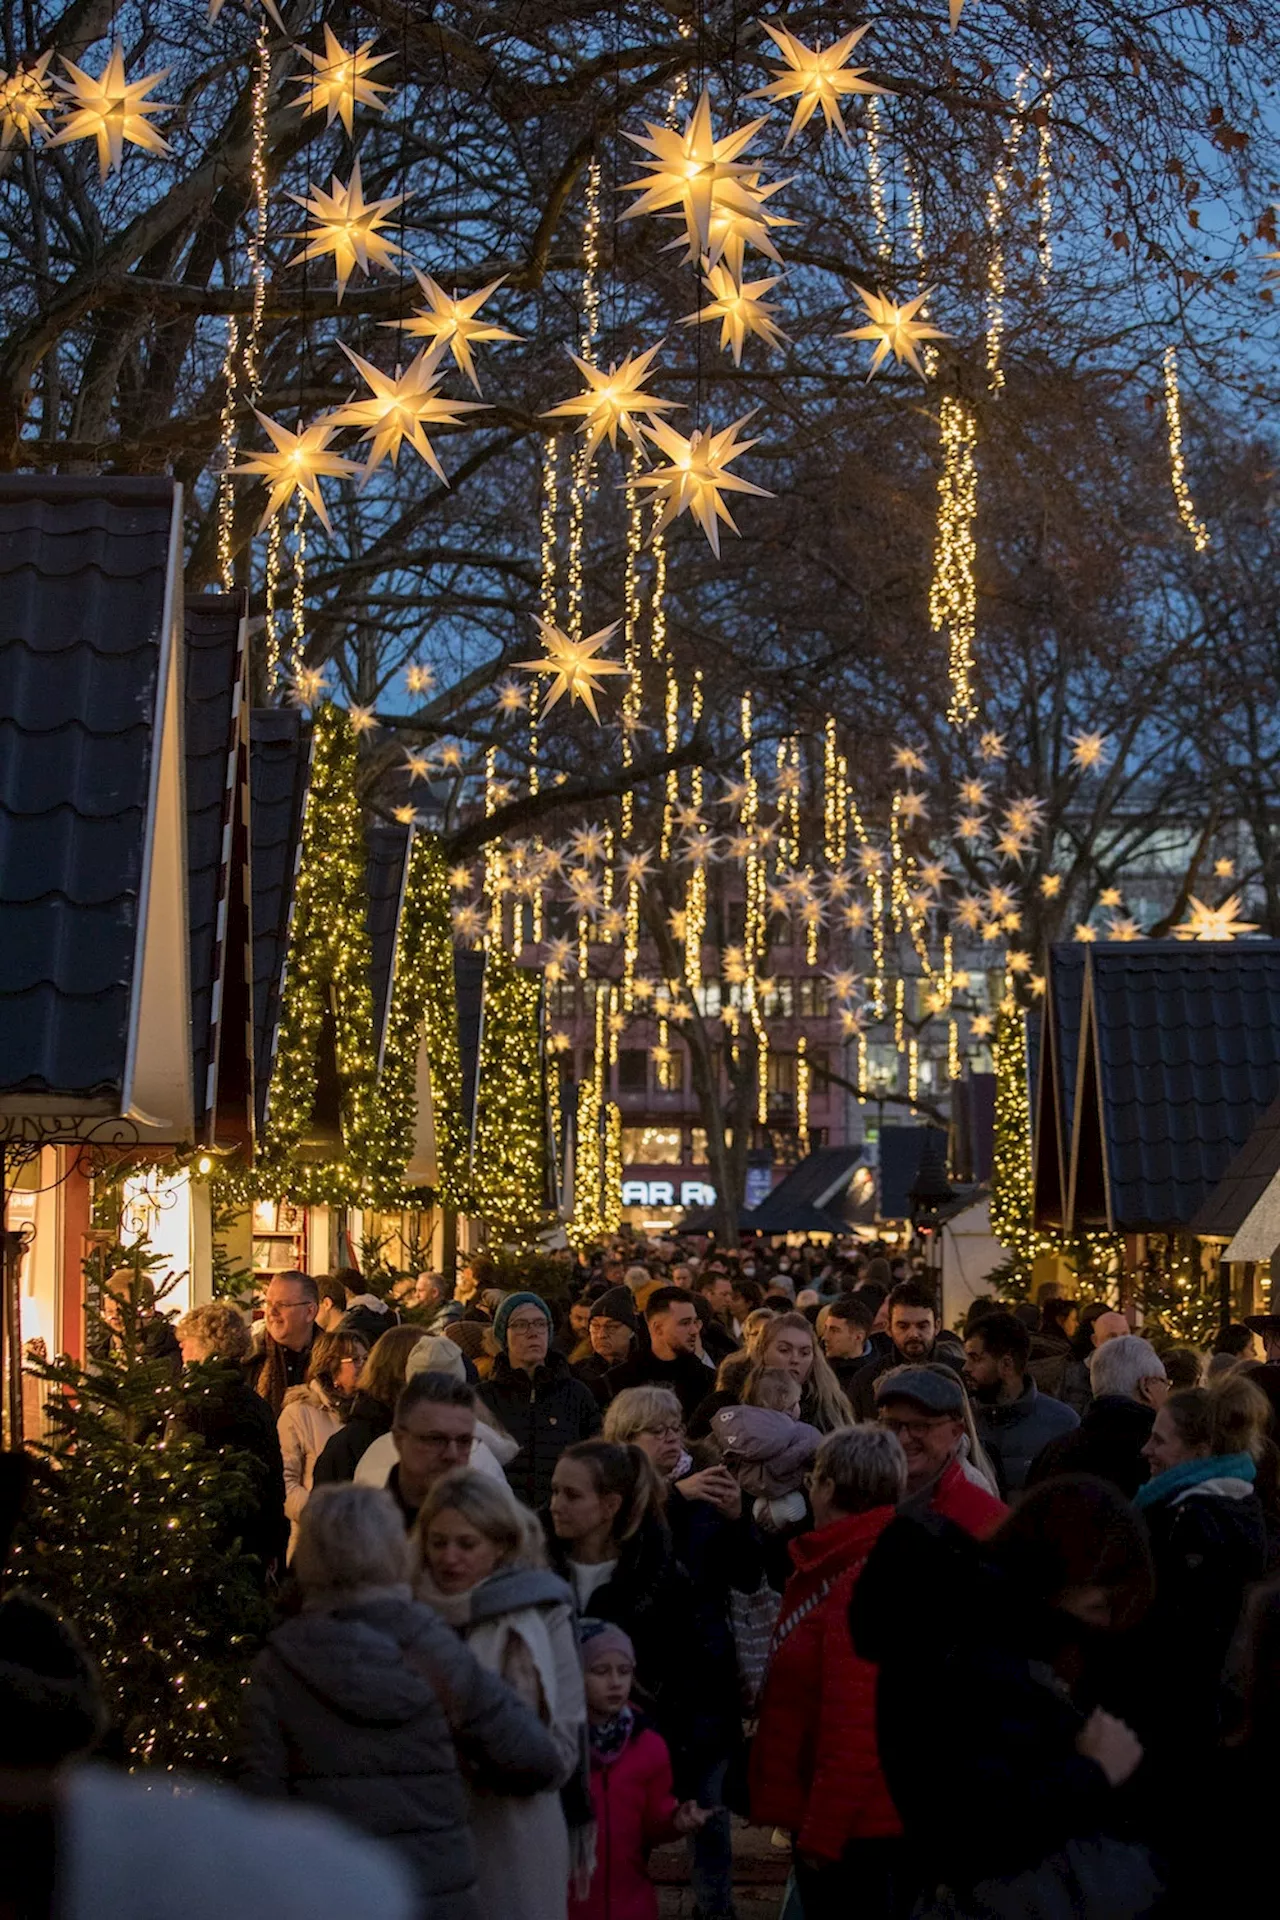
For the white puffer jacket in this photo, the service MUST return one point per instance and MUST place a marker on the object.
(308, 1421)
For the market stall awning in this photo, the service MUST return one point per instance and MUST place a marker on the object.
(1244, 1208)
(809, 1199)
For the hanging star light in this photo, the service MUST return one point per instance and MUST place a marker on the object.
(1017, 961)
(695, 172)
(612, 400)
(908, 760)
(913, 807)
(26, 99)
(734, 229)
(1088, 750)
(741, 308)
(1110, 897)
(1011, 845)
(1204, 922)
(980, 1026)
(970, 826)
(854, 916)
(339, 82)
(1084, 933)
(698, 475)
(1123, 929)
(459, 879)
(1051, 885)
(348, 226)
(419, 679)
(297, 466)
(1224, 869)
(406, 815)
(110, 109)
(968, 912)
(933, 873)
(510, 697)
(416, 764)
(588, 844)
(572, 664)
(398, 406)
(451, 755)
(1000, 901)
(991, 746)
(450, 320)
(363, 719)
(816, 77)
(309, 686)
(895, 329)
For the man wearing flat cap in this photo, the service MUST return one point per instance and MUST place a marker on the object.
(925, 1407)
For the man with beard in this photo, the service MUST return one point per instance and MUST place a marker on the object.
(1014, 1419)
(913, 1329)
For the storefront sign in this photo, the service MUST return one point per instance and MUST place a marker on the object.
(668, 1193)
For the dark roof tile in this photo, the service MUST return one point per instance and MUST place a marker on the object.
(278, 763)
(84, 567)
(213, 688)
(387, 849)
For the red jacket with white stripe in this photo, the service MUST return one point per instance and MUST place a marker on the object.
(815, 1769)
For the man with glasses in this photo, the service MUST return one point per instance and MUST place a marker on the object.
(533, 1394)
(925, 1408)
(290, 1306)
(433, 1427)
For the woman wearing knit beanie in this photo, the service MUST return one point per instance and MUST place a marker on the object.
(533, 1395)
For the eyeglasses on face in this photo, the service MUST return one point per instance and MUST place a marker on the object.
(537, 1325)
(665, 1430)
(915, 1428)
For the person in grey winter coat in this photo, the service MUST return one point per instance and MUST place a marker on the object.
(366, 1701)
(1014, 1419)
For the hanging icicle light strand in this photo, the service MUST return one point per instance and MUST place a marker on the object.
(1044, 181)
(953, 595)
(875, 182)
(1190, 519)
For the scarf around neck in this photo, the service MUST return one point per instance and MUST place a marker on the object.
(1193, 1473)
(609, 1737)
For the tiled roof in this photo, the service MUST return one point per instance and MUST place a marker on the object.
(387, 849)
(278, 763)
(809, 1199)
(84, 566)
(214, 682)
(1247, 1177)
(1053, 1050)
(1183, 1044)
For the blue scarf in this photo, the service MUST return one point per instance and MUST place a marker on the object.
(1190, 1473)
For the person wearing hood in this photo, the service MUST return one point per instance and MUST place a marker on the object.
(366, 1314)
(365, 1703)
(373, 1403)
(491, 1449)
(534, 1397)
(926, 1408)
(1014, 1419)
(815, 1768)
(483, 1570)
(994, 1732)
(314, 1412)
(1129, 1383)
(1208, 1539)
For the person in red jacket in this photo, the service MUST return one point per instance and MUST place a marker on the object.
(926, 1408)
(635, 1808)
(815, 1769)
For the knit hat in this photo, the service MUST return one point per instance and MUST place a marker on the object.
(616, 1303)
(435, 1354)
(936, 1389)
(600, 1637)
(508, 1307)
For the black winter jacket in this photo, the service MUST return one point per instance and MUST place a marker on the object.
(544, 1413)
(977, 1738)
(360, 1710)
(342, 1453)
(861, 1390)
(1108, 1442)
(231, 1418)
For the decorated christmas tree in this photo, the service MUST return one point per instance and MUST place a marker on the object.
(131, 1531)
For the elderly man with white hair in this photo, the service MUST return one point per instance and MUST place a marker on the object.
(1129, 1387)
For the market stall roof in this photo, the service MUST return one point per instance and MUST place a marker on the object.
(279, 756)
(386, 865)
(1179, 1059)
(809, 1199)
(216, 774)
(95, 990)
(1244, 1208)
(901, 1151)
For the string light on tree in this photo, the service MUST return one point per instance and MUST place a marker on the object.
(1190, 519)
(875, 182)
(112, 110)
(953, 597)
(996, 284)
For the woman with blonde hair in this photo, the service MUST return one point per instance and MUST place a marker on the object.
(314, 1412)
(482, 1567)
(377, 1390)
(789, 1344)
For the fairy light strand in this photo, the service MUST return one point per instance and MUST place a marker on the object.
(915, 223)
(1044, 182)
(1190, 519)
(580, 488)
(271, 596)
(875, 180)
(996, 279)
(953, 593)
(299, 649)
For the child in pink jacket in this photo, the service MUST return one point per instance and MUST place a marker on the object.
(635, 1808)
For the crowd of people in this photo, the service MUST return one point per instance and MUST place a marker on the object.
(978, 1621)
